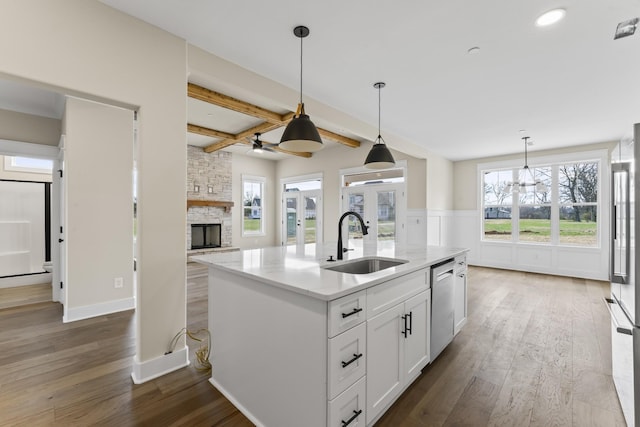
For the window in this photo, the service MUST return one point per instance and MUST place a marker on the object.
(534, 206)
(578, 203)
(556, 204)
(28, 164)
(253, 205)
(497, 204)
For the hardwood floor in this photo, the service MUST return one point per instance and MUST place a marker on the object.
(23, 295)
(534, 352)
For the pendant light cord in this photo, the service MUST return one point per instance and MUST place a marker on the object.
(301, 70)
(379, 114)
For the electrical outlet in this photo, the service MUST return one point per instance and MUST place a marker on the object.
(118, 282)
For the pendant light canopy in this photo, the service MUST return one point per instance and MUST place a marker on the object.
(379, 157)
(301, 134)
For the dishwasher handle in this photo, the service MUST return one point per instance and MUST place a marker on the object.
(444, 275)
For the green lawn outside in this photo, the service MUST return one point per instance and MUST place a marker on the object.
(539, 230)
(251, 224)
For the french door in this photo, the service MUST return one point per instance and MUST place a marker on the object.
(383, 208)
(302, 217)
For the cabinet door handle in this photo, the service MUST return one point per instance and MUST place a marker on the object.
(406, 329)
(355, 310)
(410, 322)
(355, 357)
(353, 417)
(461, 275)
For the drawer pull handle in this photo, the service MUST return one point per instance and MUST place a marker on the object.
(355, 311)
(353, 417)
(461, 275)
(406, 328)
(355, 357)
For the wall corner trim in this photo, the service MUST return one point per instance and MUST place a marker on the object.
(159, 366)
(94, 310)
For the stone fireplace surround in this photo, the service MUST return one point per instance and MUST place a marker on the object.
(211, 172)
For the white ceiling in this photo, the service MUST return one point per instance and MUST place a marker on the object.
(567, 84)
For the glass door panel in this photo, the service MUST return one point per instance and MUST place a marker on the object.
(291, 221)
(386, 220)
(310, 219)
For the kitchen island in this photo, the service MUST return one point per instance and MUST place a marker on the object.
(295, 343)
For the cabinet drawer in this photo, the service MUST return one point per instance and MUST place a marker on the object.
(347, 312)
(347, 359)
(348, 409)
(461, 263)
(393, 292)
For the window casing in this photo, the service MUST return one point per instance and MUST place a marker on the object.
(253, 205)
(562, 209)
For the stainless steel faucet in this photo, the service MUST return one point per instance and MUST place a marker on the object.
(365, 231)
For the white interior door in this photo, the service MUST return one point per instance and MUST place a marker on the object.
(383, 208)
(302, 217)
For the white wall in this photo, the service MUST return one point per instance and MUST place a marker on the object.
(98, 166)
(29, 128)
(87, 49)
(263, 168)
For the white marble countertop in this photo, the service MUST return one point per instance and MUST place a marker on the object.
(300, 268)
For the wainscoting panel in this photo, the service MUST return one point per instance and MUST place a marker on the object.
(463, 228)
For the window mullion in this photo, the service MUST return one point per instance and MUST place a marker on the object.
(555, 206)
(515, 208)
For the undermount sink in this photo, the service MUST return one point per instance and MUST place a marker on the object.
(366, 265)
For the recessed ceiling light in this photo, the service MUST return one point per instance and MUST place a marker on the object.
(550, 17)
(522, 130)
(473, 50)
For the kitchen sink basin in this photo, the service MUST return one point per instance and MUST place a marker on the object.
(366, 265)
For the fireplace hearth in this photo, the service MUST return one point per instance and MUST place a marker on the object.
(206, 236)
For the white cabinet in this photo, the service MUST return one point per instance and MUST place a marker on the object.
(460, 294)
(418, 339)
(397, 350)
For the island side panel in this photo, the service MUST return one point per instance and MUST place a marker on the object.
(269, 349)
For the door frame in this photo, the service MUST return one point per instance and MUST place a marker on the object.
(401, 202)
(300, 196)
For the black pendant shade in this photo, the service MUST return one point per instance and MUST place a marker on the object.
(301, 134)
(379, 157)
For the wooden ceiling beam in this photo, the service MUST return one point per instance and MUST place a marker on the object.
(293, 153)
(224, 101)
(219, 145)
(273, 120)
(352, 143)
(201, 130)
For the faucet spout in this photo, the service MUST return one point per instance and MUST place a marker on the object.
(341, 250)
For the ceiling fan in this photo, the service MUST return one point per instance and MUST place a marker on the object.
(259, 146)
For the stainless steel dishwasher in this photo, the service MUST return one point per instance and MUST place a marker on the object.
(441, 306)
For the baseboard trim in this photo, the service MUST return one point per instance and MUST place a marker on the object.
(73, 314)
(159, 366)
(235, 403)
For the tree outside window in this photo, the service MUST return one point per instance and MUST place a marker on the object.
(578, 203)
(498, 199)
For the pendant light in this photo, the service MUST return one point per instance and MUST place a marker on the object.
(526, 179)
(379, 157)
(301, 134)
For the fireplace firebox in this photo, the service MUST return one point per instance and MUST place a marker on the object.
(205, 236)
